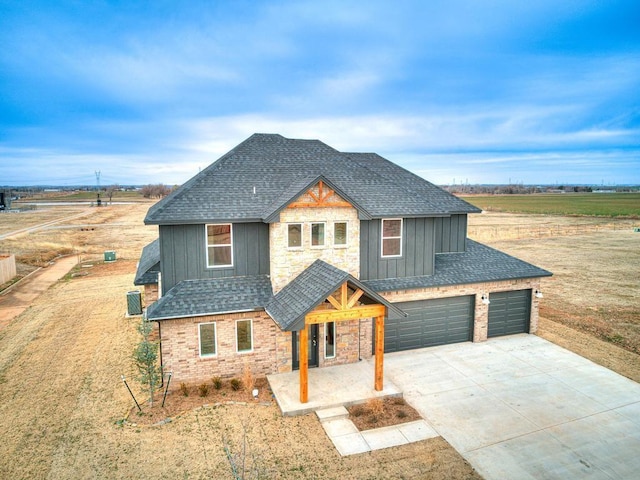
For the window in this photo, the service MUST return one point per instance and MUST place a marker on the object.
(294, 235)
(219, 241)
(392, 237)
(340, 233)
(329, 340)
(244, 336)
(317, 234)
(207, 334)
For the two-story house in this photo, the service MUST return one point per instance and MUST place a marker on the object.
(287, 254)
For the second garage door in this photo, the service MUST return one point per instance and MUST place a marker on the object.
(429, 323)
(509, 312)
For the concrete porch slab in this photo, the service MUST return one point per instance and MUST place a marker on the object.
(342, 385)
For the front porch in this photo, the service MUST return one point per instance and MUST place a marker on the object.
(341, 385)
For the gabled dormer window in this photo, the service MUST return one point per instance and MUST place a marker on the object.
(219, 245)
(392, 237)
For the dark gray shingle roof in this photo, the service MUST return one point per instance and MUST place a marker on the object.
(193, 298)
(478, 264)
(149, 264)
(277, 168)
(290, 305)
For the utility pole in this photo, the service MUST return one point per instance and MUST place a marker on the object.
(98, 179)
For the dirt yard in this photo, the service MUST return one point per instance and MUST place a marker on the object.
(63, 404)
(590, 304)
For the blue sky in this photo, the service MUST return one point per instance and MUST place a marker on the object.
(464, 91)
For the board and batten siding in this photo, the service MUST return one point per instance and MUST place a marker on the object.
(451, 233)
(183, 253)
(418, 252)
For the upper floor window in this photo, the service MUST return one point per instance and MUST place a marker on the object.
(207, 335)
(392, 237)
(317, 234)
(294, 235)
(219, 245)
(340, 233)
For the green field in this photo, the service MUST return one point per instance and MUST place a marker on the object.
(590, 204)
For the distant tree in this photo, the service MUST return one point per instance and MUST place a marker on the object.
(145, 357)
(110, 191)
(155, 191)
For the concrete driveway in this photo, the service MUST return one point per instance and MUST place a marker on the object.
(520, 407)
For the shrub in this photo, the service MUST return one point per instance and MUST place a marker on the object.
(203, 388)
(217, 383)
(184, 389)
(375, 406)
(235, 384)
(399, 401)
(247, 378)
(401, 414)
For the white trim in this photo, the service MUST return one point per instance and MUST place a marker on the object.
(215, 341)
(382, 237)
(207, 246)
(301, 246)
(346, 232)
(335, 342)
(251, 323)
(324, 234)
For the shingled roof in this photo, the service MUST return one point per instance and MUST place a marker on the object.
(263, 173)
(149, 264)
(477, 264)
(195, 298)
(312, 287)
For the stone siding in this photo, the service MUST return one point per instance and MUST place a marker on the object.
(287, 263)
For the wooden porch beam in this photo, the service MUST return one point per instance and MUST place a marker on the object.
(303, 349)
(362, 311)
(379, 353)
(334, 302)
(355, 297)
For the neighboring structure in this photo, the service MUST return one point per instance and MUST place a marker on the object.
(5, 201)
(282, 252)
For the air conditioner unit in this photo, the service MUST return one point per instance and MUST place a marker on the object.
(134, 303)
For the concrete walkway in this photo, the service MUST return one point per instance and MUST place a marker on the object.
(18, 297)
(348, 440)
(523, 408)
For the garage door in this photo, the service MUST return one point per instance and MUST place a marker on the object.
(509, 312)
(430, 323)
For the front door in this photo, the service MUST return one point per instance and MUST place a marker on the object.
(313, 347)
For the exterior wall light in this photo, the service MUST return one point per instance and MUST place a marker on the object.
(485, 299)
(538, 294)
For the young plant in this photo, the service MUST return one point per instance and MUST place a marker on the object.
(203, 388)
(248, 381)
(184, 389)
(235, 384)
(145, 357)
(217, 383)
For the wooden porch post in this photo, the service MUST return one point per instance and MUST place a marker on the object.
(379, 353)
(303, 349)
